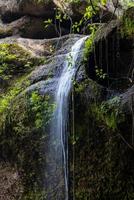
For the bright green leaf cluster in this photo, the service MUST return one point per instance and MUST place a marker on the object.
(41, 108)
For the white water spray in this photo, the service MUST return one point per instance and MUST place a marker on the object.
(60, 119)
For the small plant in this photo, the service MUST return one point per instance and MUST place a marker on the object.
(41, 108)
(99, 73)
(70, 60)
(108, 113)
(47, 23)
(76, 27)
(89, 44)
(14, 60)
(89, 13)
(127, 28)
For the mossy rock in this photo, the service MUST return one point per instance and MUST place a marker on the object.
(102, 143)
(15, 62)
(24, 135)
(127, 25)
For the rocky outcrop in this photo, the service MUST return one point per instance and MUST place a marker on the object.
(23, 17)
(14, 67)
(102, 141)
(27, 27)
(37, 8)
(72, 8)
(101, 109)
(49, 54)
(11, 9)
(114, 9)
(113, 53)
(38, 87)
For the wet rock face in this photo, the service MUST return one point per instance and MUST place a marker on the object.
(114, 54)
(34, 91)
(103, 135)
(103, 141)
(40, 65)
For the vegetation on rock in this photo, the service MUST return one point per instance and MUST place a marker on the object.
(101, 140)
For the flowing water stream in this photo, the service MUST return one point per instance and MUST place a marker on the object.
(59, 131)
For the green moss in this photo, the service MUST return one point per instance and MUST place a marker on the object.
(127, 27)
(80, 87)
(23, 137)
(34, 195)
(103, 163)
(23, 118)
(15, 61)
(11, 93)
(21, 107)
(89, 44)
(108, 113)
(86, 85)
(15, 64)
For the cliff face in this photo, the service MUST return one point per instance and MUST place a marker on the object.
(101, 140)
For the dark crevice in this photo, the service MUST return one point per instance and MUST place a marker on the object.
(10, 17)
(115, 56)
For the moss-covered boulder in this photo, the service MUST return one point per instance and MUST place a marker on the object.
(12, 9)
(26, 109)
(24, 138)
(14, 62)
(101, 165)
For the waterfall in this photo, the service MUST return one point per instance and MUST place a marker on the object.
(59, 131)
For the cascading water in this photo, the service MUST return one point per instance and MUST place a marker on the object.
(58, 170)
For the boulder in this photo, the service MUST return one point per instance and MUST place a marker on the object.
(30, 135)
(27, 27)
(10, 9)
(15, 62)
(17, 27)
(72, 8)
(43, 47)
(114, 9)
